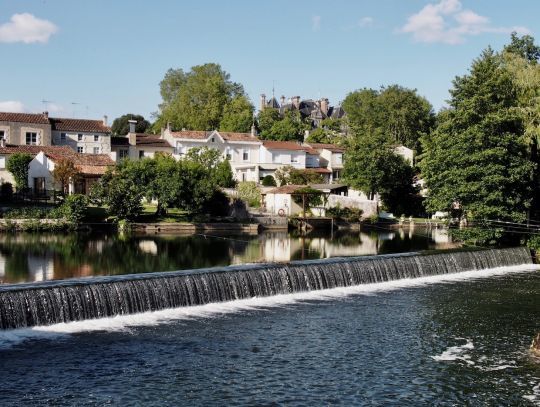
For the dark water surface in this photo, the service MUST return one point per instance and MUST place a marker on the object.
(27, 257)
(452, 344)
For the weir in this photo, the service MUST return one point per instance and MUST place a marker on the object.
(46, 303)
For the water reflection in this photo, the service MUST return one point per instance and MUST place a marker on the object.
(27, 257)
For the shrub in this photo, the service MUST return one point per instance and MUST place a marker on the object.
(17, 164)
(250, 193)
(348, 214)
(74, 207)
(268, 181)
(218, 205)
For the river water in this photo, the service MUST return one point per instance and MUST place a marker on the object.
(446, 340)
(37, 257)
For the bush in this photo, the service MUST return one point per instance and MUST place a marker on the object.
(218, 205)
(348, 214)
(17, 164)
(268, 181)
(250, 193)
(74, 207)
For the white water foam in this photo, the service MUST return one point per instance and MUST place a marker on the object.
(457, 353)
(535, 396)
(11, 338)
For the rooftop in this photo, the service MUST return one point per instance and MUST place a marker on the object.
(34, 118)
(84, 125)
(285, 145)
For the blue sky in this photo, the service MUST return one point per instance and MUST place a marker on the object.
(98, 57)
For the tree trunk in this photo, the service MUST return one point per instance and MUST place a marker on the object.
(161, 210)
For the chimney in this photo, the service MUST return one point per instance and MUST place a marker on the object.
(132, 124)
(253, 130)
(105, 119)
(296, 101)
(324, 106)
(306, 135)
(263, 101)
(169, 126)
(282, 100)
(132, 138)
(46, 115)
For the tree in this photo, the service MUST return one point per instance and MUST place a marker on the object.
(237, 115)
(477, 159)
(65, 172)
(249, 192)
(120, 126)
(197, 99)
(373, 167)
(211, 158)
(524, 47)
(398, 113)
(286, 128)
(266, 119)
(17, 164)
(328, 132)
(268, 181)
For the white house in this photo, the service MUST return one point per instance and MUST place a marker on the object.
(138, 145)
(276, 154)
(331, 158)
(241, 149)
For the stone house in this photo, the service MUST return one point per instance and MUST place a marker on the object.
(81, 135)
(25, 129)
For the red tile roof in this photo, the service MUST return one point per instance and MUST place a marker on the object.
(83, 125)
(322, 146)
(286, 189)
(284, 145)
(92, 164)
(34, 118)
(238, 136)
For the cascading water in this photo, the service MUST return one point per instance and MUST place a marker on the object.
(47, 303)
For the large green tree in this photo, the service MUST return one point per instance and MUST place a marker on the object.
(286, 127)
(477, 160)
(198, 100)
(397, 112)
(373, 167)
(17, 164)
(120, 126)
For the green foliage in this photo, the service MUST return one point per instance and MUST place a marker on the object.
(64, 172)
(328, 132)
(286, 128)
(249, 192)
(524, 47)
(288, 175)
(398, 113)
(309, 196)
(218, 204)
(210, 158)
(17, 164)
(268, 181)
(373, 167)
(478, 235)
(237, 115)
(120, 126)
(74, 207)
(199, 99)
(347, 214)
(477, 157)
(223, 175)
(533, 242)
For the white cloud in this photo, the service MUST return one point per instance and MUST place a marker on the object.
(446, 22)
(12, 106)
(26, 28)
(316, 23)
(366, 22)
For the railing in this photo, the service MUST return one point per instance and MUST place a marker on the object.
(37, 195)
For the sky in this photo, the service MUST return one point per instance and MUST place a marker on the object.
(86, 59)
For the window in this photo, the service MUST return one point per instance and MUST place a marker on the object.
(294, 158)
(96, 150)
(123, 154)
(245, 154)
(80, 149)
(2, 161)
(141, 154)
(179, 149)
(228, 154)
(62, 136)
(2, 134)
(79, 137)
(213, 139)
(39, 185)
(96, 137)
(31, 139)
(276, 158)
(339, 158)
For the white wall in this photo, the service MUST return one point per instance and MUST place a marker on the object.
(87, 142)
(41, 167)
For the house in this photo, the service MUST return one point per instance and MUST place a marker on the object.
(137, 146)
(241, 149)
(38, 129)
(277, 154)
(6, 150)
(81, 135)
(313, 110)
(331, 158)
(25, 129)
(90, 166)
